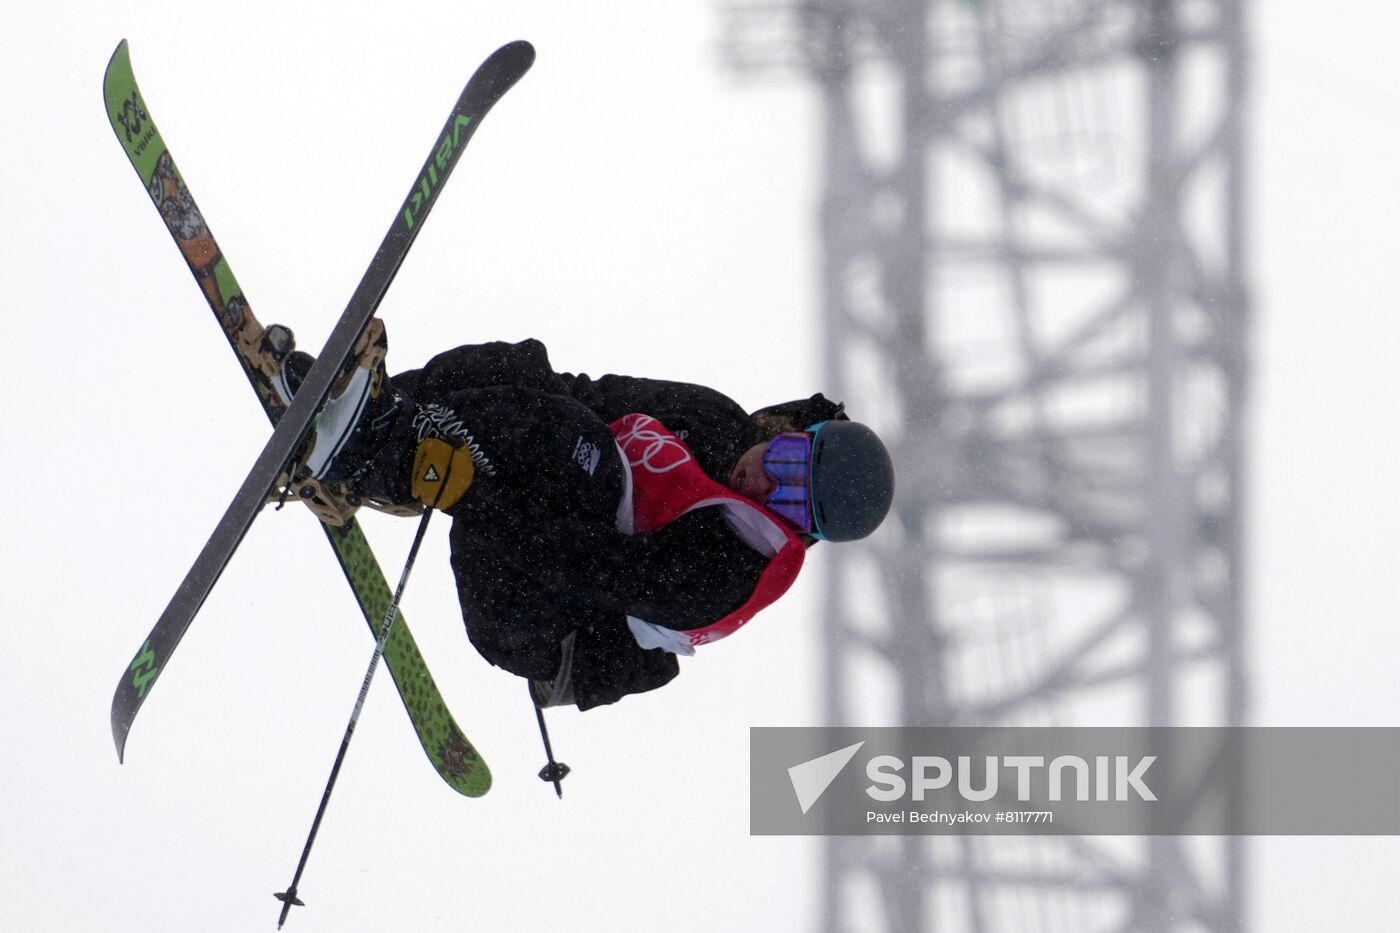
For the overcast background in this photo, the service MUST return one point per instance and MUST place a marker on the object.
(641, 211)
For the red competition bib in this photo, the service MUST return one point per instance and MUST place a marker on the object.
(665, 483)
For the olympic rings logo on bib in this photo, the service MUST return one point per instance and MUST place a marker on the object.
(657, 450)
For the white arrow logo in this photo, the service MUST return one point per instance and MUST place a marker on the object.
(811, 778)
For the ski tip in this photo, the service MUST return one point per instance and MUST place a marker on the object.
(121, 727)
(118, 53)
(117, 80)
(520, 50)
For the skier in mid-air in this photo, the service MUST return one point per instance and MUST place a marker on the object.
(600, 527)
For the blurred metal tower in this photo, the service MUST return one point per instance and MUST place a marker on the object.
(1033, 284)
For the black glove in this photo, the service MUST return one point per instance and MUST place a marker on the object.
(560, 690)
(608, 664)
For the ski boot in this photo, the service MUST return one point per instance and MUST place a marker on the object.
(263, 349)
(333, 471)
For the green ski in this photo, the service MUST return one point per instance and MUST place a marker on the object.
(454, 757)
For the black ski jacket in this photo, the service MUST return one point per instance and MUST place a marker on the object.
(535, 547)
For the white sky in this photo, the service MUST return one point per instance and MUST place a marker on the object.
(641, 211)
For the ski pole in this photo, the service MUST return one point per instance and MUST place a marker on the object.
(554, 771)
(289, 897)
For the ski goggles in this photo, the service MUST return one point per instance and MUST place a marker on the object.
(788, 460)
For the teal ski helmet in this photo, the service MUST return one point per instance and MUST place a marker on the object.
(852, 480)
